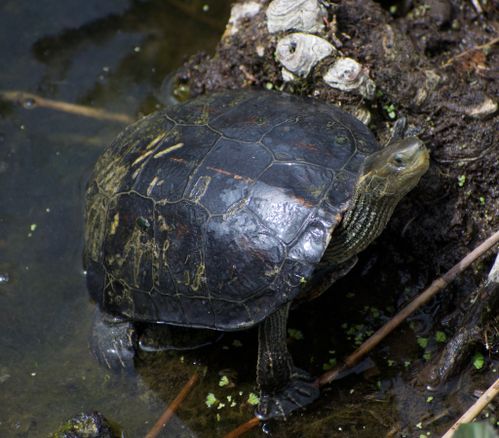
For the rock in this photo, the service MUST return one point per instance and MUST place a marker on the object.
(301, 15)
(241, 11)
(348, 75)
(300, 52)
(86, 425)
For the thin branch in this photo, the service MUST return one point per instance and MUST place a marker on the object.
(421, 299)
(475, 409)
(472, 49)
(478, 7)
(30, 101)
(243, 428)
(172, 407)
(375, 339)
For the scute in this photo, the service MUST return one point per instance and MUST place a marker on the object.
(214, 213)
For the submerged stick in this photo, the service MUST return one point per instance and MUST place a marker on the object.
(172, 407)
(377, 337)
(475, 409)
(243, 428)
(30, 101)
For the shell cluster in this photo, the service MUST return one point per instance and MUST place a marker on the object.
(299, 52)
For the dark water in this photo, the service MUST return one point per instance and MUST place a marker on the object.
(114, 55)
(109, 54)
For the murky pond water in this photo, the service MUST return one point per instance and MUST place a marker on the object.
(114, 55)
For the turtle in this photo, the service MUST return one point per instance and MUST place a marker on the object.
(220, 212)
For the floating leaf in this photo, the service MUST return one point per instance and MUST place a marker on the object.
(253, 399)
(478, 361)
(440, 336)
(224, 381)
(475, 430)
(211, 400)
(295, 334)
(422, 342)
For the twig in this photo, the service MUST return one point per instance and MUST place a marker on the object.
(376, 338)
(421, 299)
(172, 407)
(243, 428)
(475, 409)
(472, 49)
(30, 101)
(478, 7)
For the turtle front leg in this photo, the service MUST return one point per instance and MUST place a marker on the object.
(113, 341)
(283, 388)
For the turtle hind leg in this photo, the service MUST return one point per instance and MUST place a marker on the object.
(283, 387)
(164, 337)
(113, 341)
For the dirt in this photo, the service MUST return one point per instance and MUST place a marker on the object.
(435, 62)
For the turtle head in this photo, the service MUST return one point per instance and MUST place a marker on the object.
(396, 169)
(386, 177)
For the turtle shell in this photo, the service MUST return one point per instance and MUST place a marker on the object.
(214, 213)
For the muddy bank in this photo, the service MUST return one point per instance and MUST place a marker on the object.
(435, 62)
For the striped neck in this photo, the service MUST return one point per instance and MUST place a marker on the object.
(362, 223)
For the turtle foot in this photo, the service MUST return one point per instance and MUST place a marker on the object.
(298, 393)
(113, 341)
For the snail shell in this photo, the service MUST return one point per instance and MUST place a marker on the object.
(348, 75)
(301, 15)
(300, 52)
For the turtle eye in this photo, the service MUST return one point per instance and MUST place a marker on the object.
(398, 160)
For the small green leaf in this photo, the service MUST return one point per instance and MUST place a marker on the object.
(224, 381)
(429, 399)
(475, 430)
(461, 179)
(482, 200)
(422, 342)
(295, 334)
(478, 361)
(211, 400)
(329, 365)
(390, 110)
(253, 399)
(440, 336)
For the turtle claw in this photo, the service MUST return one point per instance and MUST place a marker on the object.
(113, 341)
(298, 393)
